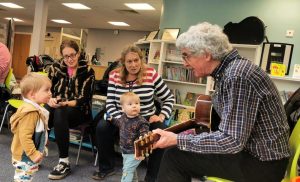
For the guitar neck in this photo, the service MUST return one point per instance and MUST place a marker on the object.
(177, 128)
(143, 145)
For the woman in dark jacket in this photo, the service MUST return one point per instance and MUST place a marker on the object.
(72, 88)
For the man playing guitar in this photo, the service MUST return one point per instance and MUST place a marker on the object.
(251, 141)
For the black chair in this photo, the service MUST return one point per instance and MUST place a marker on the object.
(79, 133)
(292, 107)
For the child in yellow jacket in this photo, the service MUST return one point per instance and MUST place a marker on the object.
(29, 126)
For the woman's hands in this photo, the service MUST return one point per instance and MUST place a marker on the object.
(57, 102)
(156, 118)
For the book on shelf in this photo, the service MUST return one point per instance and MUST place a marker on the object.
(145, 53)
(173, 54)
(296, 73)
(179, 116)
(278, 69)
(177, 96)
(156, 56)
(190, 99)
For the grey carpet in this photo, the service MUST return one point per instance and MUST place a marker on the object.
(82, 172)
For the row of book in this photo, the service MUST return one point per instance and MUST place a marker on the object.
(181, 74)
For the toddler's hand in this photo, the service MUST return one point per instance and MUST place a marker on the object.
(38, 158)
(140, 158)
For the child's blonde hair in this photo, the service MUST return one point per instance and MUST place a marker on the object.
(128, 95)
(33, 82)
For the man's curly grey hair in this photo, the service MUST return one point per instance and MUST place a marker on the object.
(205, 37)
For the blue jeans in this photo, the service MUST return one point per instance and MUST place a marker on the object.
(129, 168)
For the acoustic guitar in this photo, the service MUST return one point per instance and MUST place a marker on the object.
(204, 115)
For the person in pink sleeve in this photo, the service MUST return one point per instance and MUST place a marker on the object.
(5, 62)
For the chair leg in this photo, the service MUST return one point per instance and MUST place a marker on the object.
(91, 140)
(4, 116)
(79, 149)
(96, 159)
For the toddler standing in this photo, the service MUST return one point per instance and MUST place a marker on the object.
(131, 125)
(29, 126)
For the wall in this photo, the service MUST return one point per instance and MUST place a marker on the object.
(110, 44)
(277, 15)
(29, 29)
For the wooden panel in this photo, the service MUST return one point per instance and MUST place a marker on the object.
(99, 71)
(20, 54)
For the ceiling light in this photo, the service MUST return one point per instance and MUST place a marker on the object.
(15, 19)
(140, 6)
(76, 5)
(61, 21)
(117, 23)
(11, 5)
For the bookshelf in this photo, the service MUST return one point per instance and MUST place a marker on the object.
(251, 52)
(166, 59)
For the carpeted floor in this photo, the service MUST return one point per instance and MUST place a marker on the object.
(79, 173)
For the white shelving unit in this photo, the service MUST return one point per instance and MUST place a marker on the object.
(286, 83)
(163, 54)
(251, 52)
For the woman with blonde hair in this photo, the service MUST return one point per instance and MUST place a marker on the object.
(134, 75)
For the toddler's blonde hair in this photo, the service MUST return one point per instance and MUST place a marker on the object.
(33, 82)
(128, 95)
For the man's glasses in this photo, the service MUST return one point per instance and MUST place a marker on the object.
(72, 56)
(186, 57)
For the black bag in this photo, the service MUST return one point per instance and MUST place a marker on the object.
(102, 85)
(5, 94)
(251, 30)
(39, 63)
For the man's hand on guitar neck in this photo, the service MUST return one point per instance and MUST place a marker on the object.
(166, 139)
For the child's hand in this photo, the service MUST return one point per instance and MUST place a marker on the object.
(140, 158)
(107, 117)
(38, 158)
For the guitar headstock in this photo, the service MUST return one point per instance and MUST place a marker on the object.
(144, 145)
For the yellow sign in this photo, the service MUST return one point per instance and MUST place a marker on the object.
(278, 69)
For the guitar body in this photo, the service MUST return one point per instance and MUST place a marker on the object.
(204, 115)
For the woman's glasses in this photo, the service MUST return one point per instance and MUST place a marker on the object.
(72, 56)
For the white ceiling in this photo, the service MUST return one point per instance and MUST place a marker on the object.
(101, 12)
